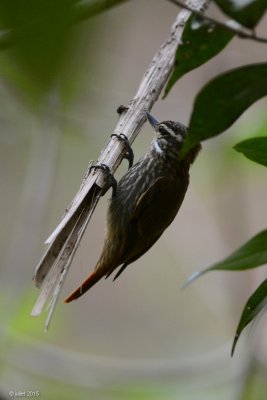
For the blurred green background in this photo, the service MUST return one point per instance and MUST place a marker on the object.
(140, 337)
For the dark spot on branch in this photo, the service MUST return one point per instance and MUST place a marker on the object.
(122, 109)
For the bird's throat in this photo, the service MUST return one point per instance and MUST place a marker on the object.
(157, 148)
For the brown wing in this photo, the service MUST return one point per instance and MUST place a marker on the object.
(158, 206)
(154, 211)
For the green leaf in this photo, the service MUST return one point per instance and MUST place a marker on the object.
(251, 255)
(247, 13)
(221, 102)
(40, 32)
(200, 41)
(80, 11)
(255, 149)
(254, 305)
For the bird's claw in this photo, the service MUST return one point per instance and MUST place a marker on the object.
(111, 181)
(129, 155)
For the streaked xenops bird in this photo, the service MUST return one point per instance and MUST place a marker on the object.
(146, 201)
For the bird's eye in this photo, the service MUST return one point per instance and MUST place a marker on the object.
(162, 130)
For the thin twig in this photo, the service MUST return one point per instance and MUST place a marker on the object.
(63, 242)
(230, 26)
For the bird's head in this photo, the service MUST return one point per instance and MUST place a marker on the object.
(167, 133)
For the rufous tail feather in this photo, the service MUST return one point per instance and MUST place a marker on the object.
(86, 285)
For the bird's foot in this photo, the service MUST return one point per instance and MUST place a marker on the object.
(129, 155)
(110, 180)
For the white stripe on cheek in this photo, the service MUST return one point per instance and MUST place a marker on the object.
(157, 147)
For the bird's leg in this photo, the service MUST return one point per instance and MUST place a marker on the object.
(129, 155)
(111, 181)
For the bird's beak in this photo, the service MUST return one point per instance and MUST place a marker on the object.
(153, 121)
